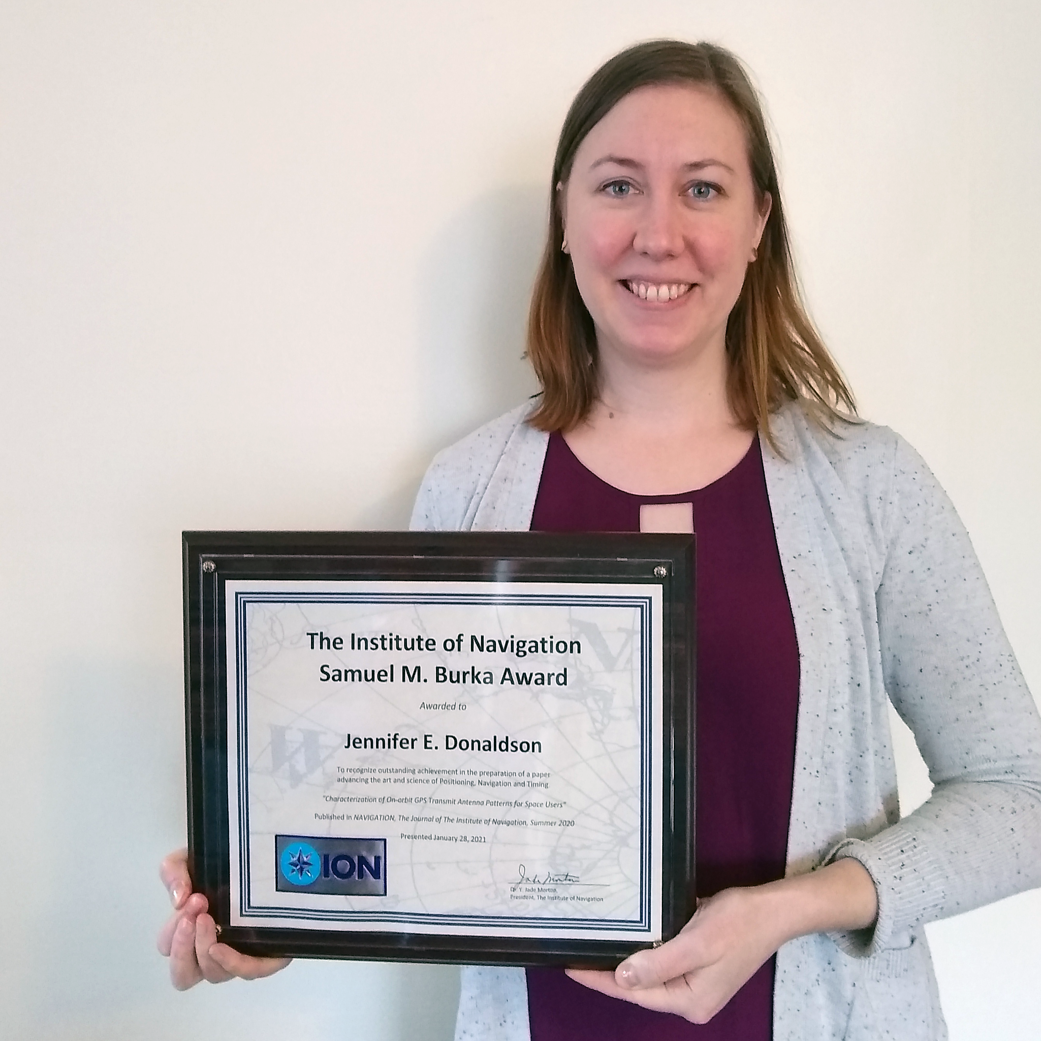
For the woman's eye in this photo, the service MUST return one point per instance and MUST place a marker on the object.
(618, 189)
(703, 190)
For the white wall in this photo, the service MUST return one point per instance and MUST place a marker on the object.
(259, 260)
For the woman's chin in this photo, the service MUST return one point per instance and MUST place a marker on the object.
(664, 353)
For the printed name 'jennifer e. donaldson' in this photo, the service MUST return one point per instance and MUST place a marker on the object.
(496, 743)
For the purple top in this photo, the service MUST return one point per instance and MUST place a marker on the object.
(748, 695)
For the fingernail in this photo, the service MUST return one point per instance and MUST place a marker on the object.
(627, 975)
(177, 894)
(184, 926)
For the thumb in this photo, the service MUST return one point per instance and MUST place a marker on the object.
(672, 959)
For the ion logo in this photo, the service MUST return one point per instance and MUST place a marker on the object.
(355, 867)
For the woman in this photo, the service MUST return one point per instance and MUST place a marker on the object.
(684, 387)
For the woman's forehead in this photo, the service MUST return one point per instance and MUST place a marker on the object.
(674, 122)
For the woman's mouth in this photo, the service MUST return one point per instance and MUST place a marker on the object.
(658, 292)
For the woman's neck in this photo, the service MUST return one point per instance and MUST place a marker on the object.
(657, 430)
(668, 397)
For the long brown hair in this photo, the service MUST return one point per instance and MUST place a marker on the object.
(774, 352)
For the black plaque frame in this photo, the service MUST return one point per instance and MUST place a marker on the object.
(212, 558)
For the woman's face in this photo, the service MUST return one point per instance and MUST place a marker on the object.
(661, 220)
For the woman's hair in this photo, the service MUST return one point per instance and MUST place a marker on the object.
(774, 353)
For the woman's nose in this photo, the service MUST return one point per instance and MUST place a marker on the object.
(659, 229)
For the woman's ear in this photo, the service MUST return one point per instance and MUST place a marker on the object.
(766, 204)
(562, 206)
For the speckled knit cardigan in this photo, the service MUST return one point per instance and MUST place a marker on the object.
(888, 599)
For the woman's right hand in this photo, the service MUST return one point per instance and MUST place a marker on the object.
(189, 938)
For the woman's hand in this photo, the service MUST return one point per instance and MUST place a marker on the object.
(698, 971)
(731, 935)
(189, 938)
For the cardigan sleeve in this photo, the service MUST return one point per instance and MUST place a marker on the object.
(951, 674)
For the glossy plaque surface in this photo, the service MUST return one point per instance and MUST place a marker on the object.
(455, 747)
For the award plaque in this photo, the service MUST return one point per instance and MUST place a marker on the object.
(470, 747)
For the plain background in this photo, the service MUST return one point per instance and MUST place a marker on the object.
(259, 260)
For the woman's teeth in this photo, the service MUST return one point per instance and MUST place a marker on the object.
(649, 291)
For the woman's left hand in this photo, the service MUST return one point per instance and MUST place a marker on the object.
(731, 935)
(698, 971)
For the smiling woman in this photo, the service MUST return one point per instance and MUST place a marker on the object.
(681, 375)
(662, 217)
(684, 386)
(672, 137)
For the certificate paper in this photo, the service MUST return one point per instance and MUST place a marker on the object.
(496, 751)
(471, 747)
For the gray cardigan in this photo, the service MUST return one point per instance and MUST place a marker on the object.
(889, 604)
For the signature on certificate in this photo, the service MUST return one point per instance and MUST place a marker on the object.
(547, 878)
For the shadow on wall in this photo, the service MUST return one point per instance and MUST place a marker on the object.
(474, 312)
(473, 315)
(392, 512)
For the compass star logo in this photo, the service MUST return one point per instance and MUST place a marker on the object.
(300, 863)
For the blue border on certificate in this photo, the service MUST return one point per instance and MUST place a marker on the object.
(478, 922)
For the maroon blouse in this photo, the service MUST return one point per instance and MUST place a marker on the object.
(748, 693)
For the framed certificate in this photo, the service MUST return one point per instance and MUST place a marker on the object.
(473, 747)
